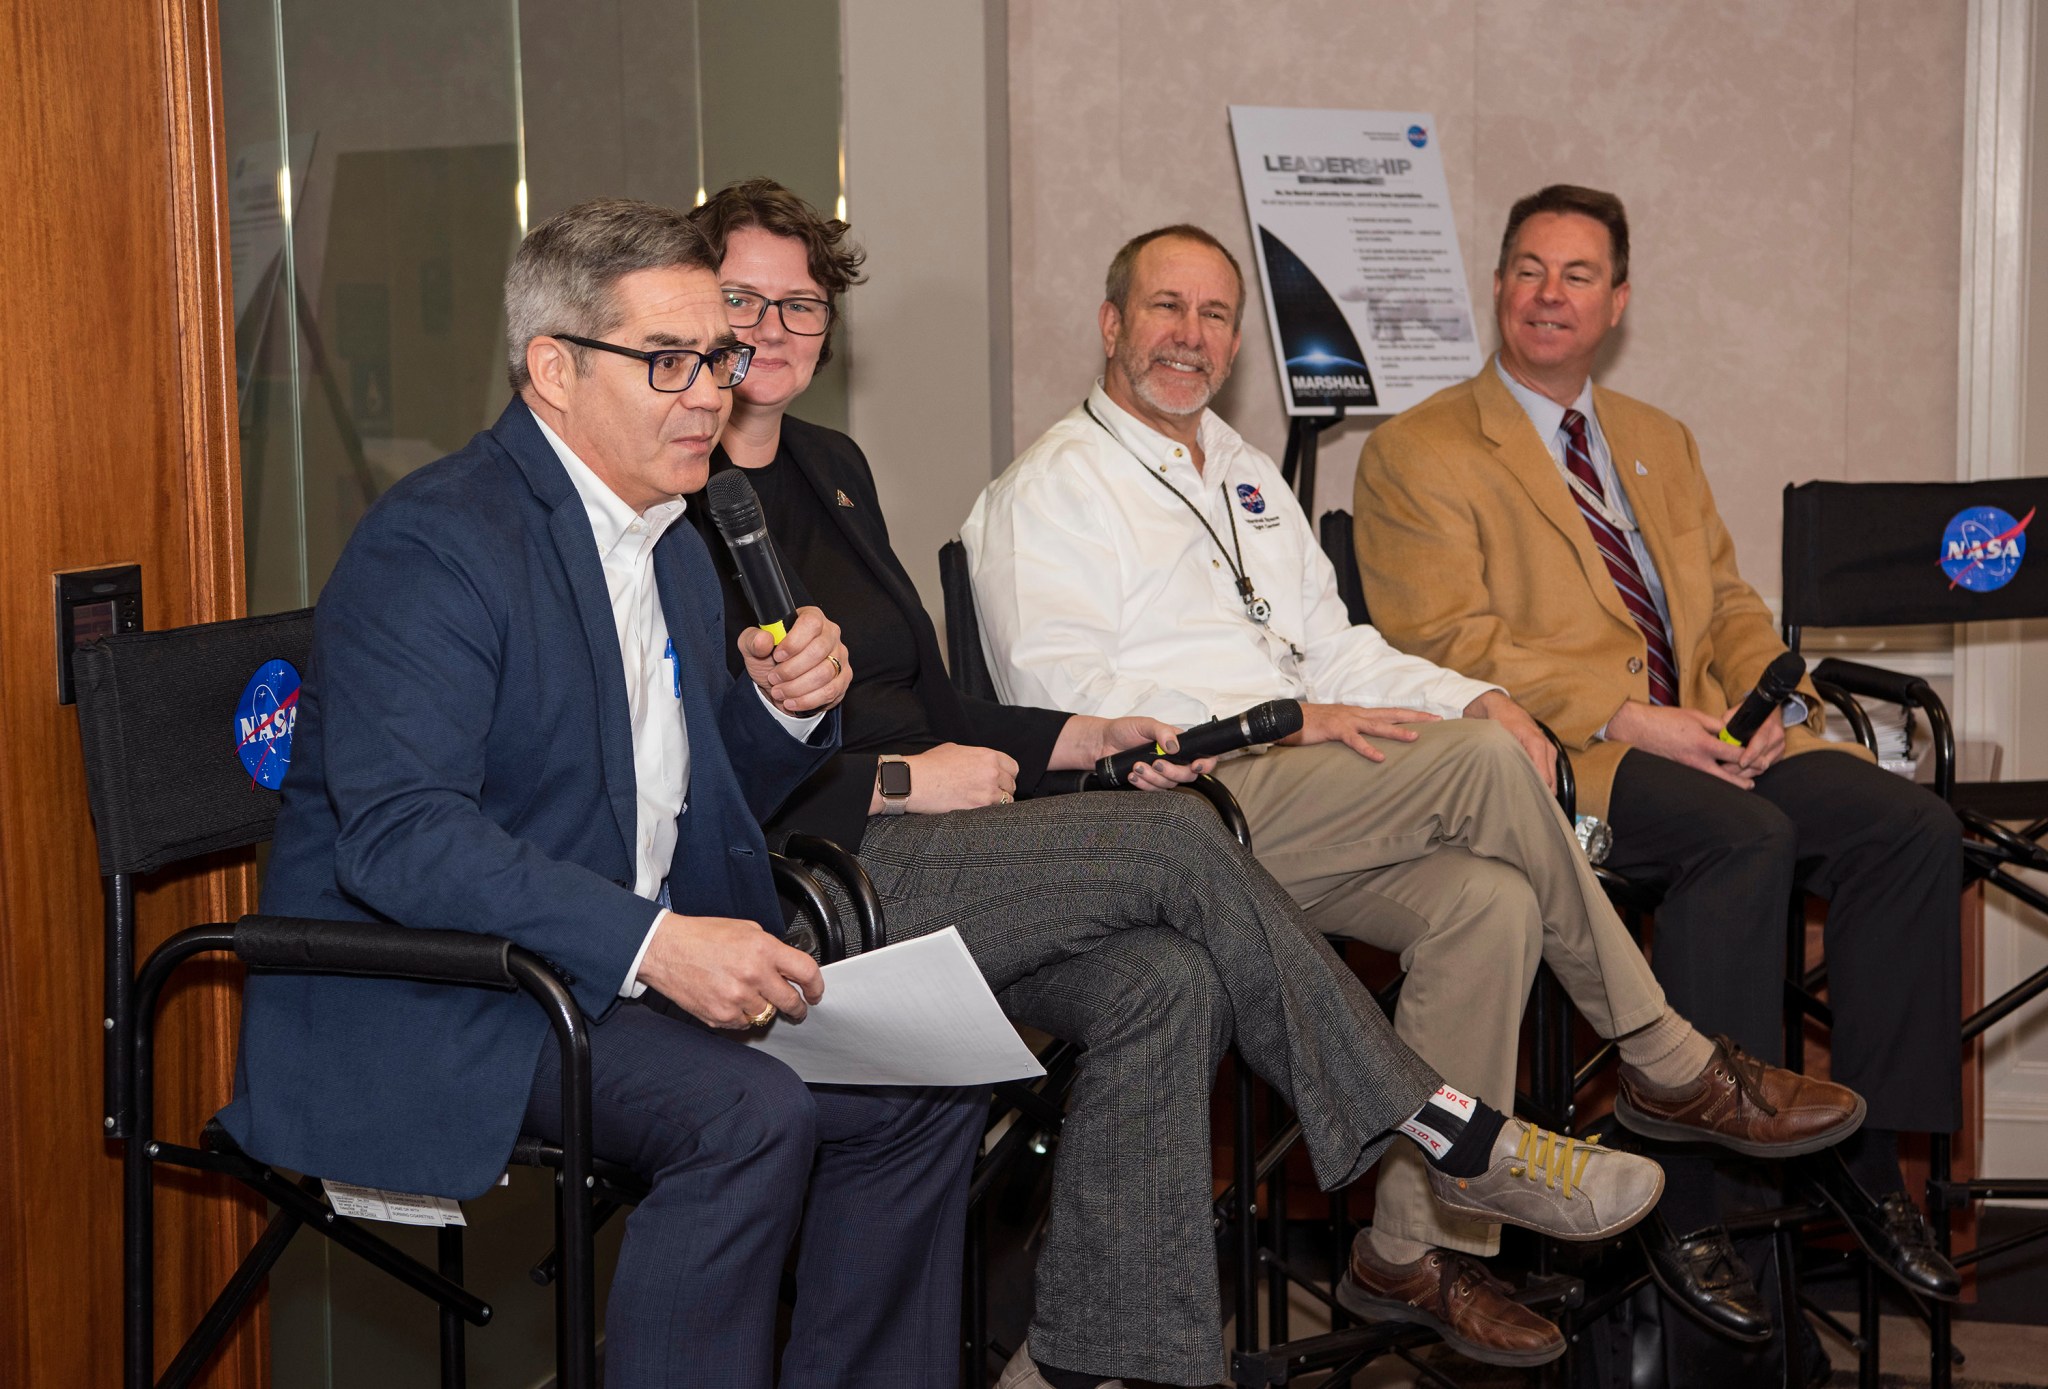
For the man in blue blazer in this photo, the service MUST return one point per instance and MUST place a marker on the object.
(518, 720)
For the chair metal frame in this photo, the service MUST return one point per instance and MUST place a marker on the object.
(1816, 517)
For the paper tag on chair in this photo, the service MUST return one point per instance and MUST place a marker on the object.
(399, 1207)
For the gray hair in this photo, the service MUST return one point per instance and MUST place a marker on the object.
(563, 273)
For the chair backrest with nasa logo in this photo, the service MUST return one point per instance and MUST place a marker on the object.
(186, 735)
(1883, 554)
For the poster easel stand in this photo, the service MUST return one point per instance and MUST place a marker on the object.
(1298, 463)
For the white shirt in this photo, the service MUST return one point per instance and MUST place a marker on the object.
(1100, 592)
(661, 741)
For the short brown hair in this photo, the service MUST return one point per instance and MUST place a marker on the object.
(833, 260)
(562, 276)
(1116, 286)
(1603, 208)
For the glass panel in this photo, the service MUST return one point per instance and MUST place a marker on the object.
(772, 107)
(408, 220)
(385, 157)
(260, 268)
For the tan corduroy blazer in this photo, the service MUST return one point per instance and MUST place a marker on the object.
(1475, 555)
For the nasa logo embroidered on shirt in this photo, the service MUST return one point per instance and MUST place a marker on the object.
(265, 716)
(1248, 497)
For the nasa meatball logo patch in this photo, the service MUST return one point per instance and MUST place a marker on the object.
(264, 719)
(1982, 548)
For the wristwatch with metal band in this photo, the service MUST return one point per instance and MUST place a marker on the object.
(892, 779)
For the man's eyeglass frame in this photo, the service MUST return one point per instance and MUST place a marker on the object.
(740, 352)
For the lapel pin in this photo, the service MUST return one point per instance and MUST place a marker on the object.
(847, 501)
(1641, 471)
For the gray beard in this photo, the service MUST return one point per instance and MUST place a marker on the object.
(1141, 387)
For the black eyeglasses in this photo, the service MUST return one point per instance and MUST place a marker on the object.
(807, 318)
(673, 370)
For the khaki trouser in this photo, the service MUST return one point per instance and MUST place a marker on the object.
(1452, 855)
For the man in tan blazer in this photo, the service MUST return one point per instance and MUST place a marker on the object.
(1555, 538)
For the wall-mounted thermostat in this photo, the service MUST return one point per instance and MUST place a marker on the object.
(94, 603)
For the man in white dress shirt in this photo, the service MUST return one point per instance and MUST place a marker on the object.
(1141, 557)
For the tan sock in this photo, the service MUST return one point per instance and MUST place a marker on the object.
(1669, 1053)
(1393, 1249)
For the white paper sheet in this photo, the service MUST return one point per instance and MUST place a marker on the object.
(917, 1013)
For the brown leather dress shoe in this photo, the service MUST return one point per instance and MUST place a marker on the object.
(1743, 1104)
(1454, 1296)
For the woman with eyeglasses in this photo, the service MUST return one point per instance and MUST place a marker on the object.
(1133, 924)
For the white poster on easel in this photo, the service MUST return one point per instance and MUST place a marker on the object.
(1358, 256)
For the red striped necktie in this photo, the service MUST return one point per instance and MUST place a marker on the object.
(1621, 562)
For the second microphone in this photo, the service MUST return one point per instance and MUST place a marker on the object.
(1262, 723)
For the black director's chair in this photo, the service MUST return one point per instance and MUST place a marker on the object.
(1895, 554)
(166, 785)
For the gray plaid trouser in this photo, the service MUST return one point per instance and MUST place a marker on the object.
(1136, 925)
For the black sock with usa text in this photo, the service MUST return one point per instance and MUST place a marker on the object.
(1455, 1132)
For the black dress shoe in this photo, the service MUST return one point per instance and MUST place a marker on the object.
(1892, 1232)
(1705, 1278)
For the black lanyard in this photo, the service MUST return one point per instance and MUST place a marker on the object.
(1255, 607)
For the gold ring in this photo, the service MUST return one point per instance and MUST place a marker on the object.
(764, 1017)
(1003, 799)
(837, 669)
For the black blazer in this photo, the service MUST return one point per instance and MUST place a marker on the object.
(833, 804)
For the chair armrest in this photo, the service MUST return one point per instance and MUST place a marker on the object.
(367, 948)
(1206, 786)
(1227, 808)
(1859, 722)
(374, 948)
(1875, 682)
(1907, 691)
(793, 879)
(1567, 780)
(860, 888)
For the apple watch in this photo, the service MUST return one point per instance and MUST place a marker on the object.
(892, 779)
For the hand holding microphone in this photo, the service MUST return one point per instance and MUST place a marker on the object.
(803, 667)
(1263, 723)
(1776, 685)
(736, 511)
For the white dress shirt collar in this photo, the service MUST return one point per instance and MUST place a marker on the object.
(1164, 453)
(611, 519)
(1543, 412)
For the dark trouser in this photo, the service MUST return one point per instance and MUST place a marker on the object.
(1887, 856)
(1137, 925)
(732, 1144)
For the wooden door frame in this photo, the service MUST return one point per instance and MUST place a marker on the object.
(204, 1236)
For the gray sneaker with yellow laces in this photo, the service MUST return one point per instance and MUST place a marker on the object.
(1571, 1188)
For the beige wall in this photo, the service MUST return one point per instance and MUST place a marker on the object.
(929, 362)
(1792, 171)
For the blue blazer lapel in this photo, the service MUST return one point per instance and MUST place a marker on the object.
(576, 545)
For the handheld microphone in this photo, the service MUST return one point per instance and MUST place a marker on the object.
(1773, 687)
(1263, 723)
(736, 511)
